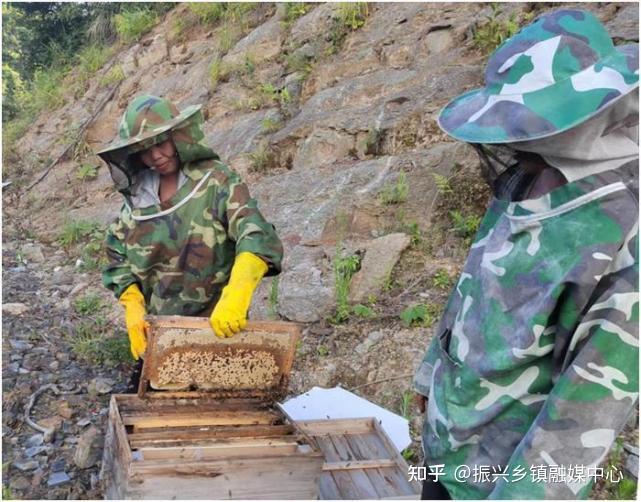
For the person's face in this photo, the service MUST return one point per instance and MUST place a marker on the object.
(161, 158)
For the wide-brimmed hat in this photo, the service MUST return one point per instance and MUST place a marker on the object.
(551, 76)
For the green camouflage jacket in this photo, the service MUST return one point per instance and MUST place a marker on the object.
(181, 252)
(534, 368)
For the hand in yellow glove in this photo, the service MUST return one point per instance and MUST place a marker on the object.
(230, 314)
(134, 304)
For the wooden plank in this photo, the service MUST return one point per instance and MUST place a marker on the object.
(295, 477)
(414, 485)
(396, 477)
(116, 456)
(362, 482)
(242, 441)
(143, 420)
(191, 434)
(336, 426)
(174, 321)
(384, 487)
(343, 481)
(196, 401)
(206, 452)
(358, 464)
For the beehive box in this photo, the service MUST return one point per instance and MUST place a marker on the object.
(211, 433)
(360, 461)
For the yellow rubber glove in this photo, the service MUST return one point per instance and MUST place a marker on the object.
(134, 304)
(230, 314)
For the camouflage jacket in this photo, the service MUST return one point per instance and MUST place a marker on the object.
(181, 252)
(535, 363)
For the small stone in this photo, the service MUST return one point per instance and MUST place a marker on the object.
(29, 465)
(16, 357)
(20, 345)
(77, 288)
(100, 386)
(17, 270)
(87, 452)
(14, 308)
(35, 440)
(83, 423)
(631, 448)
(93, 480)
(34, 450)
(367, 344)
(64, 410)
(58, 478)
(632, 466)
(19, 483)
(23, 371)
(54, 366)
(32, 253)
(58, 465)
(51, 422)
(36, 478)
(63, 357)
(14, 367)
(79, 263)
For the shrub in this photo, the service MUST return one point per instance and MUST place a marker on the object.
(113, 76)
(133, 24)
(208, 12)
(395, 193)
(344, 269)
(89, 304)
(420, 314)
(74, 232)
(465, 226)
(353, 14)
(494, 32)
(86, 172)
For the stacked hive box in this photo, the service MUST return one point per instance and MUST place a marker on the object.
(212, 429)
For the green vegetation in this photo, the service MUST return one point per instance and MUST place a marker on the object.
(405, 408)
(442, 279)
(131, 25)
(442, 184)
(208, 12)
(270, 125)
(352, 15)
(294, 10)
(93, 342)
(420, 314)
(89, 304)
(412, 229)
(373, 141)
(113, 76)
(489, 35)
(322, 350)
(86, 172)
(90, 60)
(76, 231)
(395, 193)
(273, 298)
(262, 158)
(625, 488)
(218, 72)
(363, 311)
(465, 225)
(344, 269)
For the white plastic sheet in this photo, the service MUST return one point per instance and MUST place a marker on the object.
(319, 403)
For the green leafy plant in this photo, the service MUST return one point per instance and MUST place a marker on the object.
(465, 225)
(131, 25)
(395, 193)
(294, 10)
(91, 59)
(405, 407)
(322, 350)
(89, 304)
(489, 35)
(87, 172)
(442, 184)
(626, 489)
(409, 455)
(113, 76)
(269, 125)
(208, 12)
(75, 231)
(92, 342)
(344, 269)
(441, 279)
(419, 314)
(219, 71)
(262, 158)
(414, 232)
(46, 88)
(353, 14)
(363, 311)
(300, 63)
(273, 298)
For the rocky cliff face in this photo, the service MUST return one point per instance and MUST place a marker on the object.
(316, 121)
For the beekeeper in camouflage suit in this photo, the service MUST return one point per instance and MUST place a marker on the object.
(189, 237)
(534, 368)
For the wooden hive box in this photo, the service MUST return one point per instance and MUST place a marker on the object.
(218, 433)
(360, 461)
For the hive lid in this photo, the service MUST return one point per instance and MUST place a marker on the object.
(184, 355)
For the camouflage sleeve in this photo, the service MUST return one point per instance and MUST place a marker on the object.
(117, 275)
(247, 226)
(592, 400)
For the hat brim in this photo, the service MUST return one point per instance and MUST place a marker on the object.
(129, 143)
(480, 116)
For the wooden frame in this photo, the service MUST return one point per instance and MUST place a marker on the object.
(184, 449)
(288, 330)
(360, 460)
